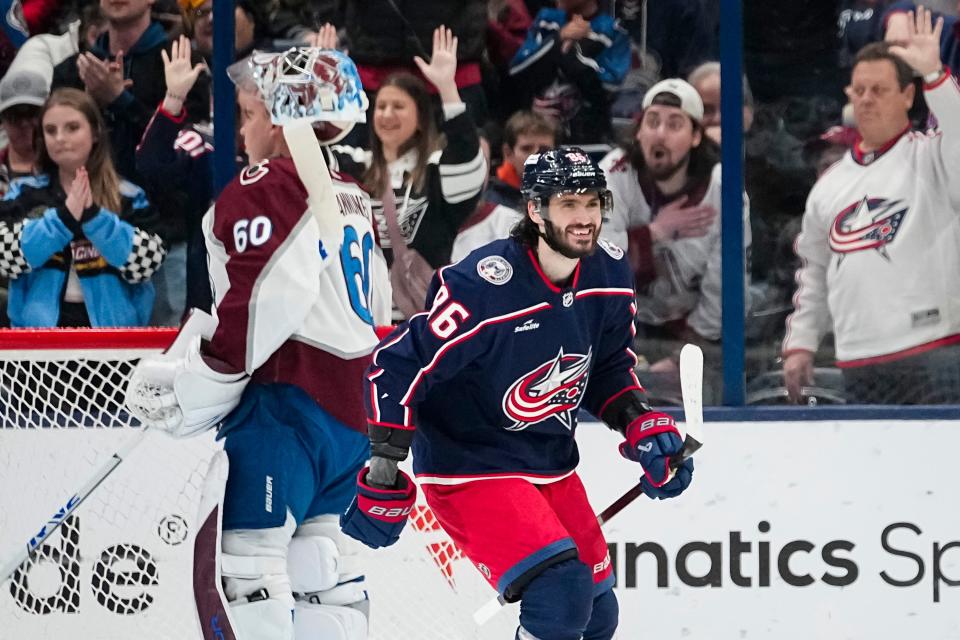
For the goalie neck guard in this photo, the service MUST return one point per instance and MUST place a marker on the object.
(321, 86)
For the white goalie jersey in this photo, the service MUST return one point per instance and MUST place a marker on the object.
(295, 303)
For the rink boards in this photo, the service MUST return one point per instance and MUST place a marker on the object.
(832, 530)
(790, 531)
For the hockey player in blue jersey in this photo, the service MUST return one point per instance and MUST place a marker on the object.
(299, 286)
(486, 387)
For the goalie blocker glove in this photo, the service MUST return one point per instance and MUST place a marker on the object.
(377, 515)
(653, 440)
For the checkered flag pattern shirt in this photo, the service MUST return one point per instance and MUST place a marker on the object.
(13, 264)
(145, 257)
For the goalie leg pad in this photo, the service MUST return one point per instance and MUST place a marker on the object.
(329, 622)
(267, 619)
(324, 563)
(557, 603)
(255, 581)
(604, 617)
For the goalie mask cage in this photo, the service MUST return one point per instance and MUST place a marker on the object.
(121, 565)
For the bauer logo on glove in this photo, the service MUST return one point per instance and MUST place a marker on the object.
(376, 516)
(653, 440)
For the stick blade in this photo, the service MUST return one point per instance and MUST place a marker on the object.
(691, 385)
(485, 614)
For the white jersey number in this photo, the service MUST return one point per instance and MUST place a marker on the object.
(256, 232)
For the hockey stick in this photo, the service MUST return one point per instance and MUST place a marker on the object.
(198, 322)
(691, 386)
(315, 176)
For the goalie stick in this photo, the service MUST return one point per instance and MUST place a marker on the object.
(315, 176)
(198, 322)
(691, 386)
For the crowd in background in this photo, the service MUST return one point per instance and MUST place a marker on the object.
(105, 168)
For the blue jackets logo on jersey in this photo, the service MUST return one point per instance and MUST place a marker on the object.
(552, 390)
(871, 223)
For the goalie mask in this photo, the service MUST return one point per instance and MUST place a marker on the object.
(563, 170)
(321, 86)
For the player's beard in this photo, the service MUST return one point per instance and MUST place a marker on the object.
(558, 240)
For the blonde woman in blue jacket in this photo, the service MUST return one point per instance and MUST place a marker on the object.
(76, 240)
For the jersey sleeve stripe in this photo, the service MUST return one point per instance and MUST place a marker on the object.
(390, 343)
(532, 478)
(633, 387)
(466, 336)
(612, 291)
(392, 425)
(374, 395)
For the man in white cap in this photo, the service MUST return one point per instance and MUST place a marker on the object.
(666, 194)
(22, 94)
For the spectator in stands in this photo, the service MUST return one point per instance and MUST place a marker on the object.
(860, 22)
(572, 59)
(383, 37)
(666, 197)
(829, 147)
(44, 51)
(197, 20)
(300, 20)
(250, 26)
(77, 240)
(658, 24)
(123, 72)
(22, 95)
(507, 24)
(488, 222)
(706, 80)
(524, 134)
(423, 187)
(897, 24)
(176, 156)
(880, 245)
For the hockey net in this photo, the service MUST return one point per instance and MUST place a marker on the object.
(121, 565)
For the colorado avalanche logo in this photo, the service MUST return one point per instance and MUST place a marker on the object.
(552, 390)
(871, 223)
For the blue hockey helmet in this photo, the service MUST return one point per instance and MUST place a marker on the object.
(563, 170)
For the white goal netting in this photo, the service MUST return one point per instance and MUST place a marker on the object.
(121, 565)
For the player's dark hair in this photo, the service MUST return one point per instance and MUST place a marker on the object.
(426, 139)
(881, 51)
(526, 231)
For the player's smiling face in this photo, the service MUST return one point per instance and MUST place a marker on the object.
(666, 136)
(575, 220)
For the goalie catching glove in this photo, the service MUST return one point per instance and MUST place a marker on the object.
(177, 391)
(653, 440)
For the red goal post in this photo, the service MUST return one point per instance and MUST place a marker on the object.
(121, 565)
